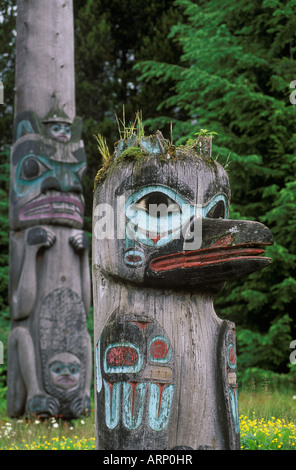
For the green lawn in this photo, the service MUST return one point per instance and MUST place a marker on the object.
(267, 421)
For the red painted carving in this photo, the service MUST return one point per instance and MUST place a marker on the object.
(197, 258)
(134, 258)
(122, 356)
(232, 357)
(155, 238)
(134, 386)
(223, 242)
(159, 349)
(142, 324)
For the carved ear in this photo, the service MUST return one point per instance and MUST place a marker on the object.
(26, 122)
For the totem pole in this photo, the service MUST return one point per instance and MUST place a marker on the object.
(49, 349)
(162, 248)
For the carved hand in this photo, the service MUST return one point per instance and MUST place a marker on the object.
(79, 242)
(39, 236)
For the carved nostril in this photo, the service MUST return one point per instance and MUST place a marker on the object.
(50, 183)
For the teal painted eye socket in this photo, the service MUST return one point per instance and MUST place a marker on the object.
(154, 215)
(155, 195)
(61, 368)
(56, 128)
(154, 200)
(32, 168)
(217, 208)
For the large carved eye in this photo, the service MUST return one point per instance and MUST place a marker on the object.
(154, 215)
(32, 168)
(157, 204)
(217, 211)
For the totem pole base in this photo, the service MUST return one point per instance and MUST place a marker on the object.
(166, 373)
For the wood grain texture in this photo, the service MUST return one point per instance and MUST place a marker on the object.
(45, 57)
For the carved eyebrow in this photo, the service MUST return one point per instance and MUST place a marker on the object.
(30, 146)
(152, 174)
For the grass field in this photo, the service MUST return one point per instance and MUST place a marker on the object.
(267, 422)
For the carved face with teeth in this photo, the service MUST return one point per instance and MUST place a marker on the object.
(168, 224)
(46, 176)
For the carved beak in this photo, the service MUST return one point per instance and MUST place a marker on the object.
(229, 250)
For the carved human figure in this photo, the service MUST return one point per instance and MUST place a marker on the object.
(163, 247)
(50, 279)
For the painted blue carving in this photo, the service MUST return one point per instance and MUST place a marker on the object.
(67, 174)
(159, 411)
(144, 226)
(112, 403)
(150, 146)
(208, 206)
(24, 127)
(133, 404)
(234, 407)
(162, 223)
(134, 258)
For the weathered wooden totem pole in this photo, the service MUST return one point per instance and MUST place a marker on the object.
(49, 349)
(162, 248)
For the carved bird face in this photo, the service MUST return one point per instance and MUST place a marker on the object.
(167, 223)
(46, 177)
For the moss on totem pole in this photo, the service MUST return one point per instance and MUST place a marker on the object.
(137, 149)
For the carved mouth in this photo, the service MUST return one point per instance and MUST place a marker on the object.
(64, 207)
(66, 380)
(205, 257)
(62, 138)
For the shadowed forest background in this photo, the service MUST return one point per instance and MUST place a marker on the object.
(222, 66)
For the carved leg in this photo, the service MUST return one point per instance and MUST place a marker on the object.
(22, 370)
(81, 404)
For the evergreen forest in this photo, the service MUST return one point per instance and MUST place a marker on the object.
(187, 65)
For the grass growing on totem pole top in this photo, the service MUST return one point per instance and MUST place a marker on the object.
(129, 146)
